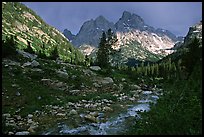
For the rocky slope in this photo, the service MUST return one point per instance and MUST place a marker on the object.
(130, 28)
(37, 96)
(29, 29)
(182, 48)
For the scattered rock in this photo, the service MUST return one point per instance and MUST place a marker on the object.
(34, 63)
(27, 55)
(73, 76)
(95, 114)
(15, 85)
(90, 118)
(95, 68)
(107, 109)
(30, 115)
(18, 117)
(62, 74)
(7, 115)
(136, 91)
(135, 87)
(30, 129)
(74, 92)
(46, 81)
(73, 112)
(84, 101)
(132, 99)
(55, 107)
(123, 79)
(30, 121)
(59, 84)
(26, 64)
(18, 93)
(10, 133)
(37, 70)
(11, 63)
(22, 133)
(61, 114)
(88, 72)
(96, 85)
(107, 80)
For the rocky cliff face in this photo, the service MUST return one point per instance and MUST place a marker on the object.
(195, 31)
(91, 31)
(130, 28)
(68, 34)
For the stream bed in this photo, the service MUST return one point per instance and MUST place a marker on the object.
(113, 126)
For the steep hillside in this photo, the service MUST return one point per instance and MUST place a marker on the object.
(28, 29)
(182, 48)
(179, 112)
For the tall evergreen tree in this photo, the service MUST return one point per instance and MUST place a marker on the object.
(102, 54)
(105, 49)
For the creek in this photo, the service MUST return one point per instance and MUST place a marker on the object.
(115, 125)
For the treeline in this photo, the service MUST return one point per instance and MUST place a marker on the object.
(179, 110)
(167, 69)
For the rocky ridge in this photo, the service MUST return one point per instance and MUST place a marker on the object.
(129, 28)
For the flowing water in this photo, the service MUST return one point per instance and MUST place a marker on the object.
(113, 126)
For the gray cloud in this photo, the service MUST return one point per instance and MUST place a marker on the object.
(174, 16)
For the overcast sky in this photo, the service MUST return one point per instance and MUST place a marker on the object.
(174, 16)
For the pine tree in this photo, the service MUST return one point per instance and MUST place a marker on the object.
(87, 61)
(54, 53)
(105, 49)
(156, 69)
(102, 54)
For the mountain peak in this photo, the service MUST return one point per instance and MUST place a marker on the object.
(126, 15)
(68, 34)
(100, 18)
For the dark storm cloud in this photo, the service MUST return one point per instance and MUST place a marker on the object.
(174, 16)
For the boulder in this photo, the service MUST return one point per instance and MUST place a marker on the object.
(74, 92)
(34, 63)
(37, 70)
(61, 114)
(27, 55)
(7, 115)
(46, 81)
(73, 112)
(123, 79)
(90, 118)
(30, 121)
(62, 74)
(30, 129)
(135, 87)
(26, 64)
(11, 63)
(10, 133)
(106, 108)
(22, 133)
(96, 85)
(95, 114)
(107, 80)
(95, 68)
(18, 93)
(30, 115)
